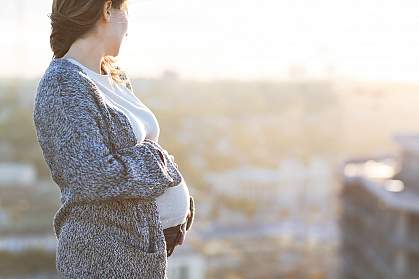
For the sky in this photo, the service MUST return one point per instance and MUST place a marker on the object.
(238, 39)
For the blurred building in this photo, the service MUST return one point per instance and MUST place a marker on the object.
(185, 263)
(379, 217)
(296, 187)
(22, 243)
(12, 173)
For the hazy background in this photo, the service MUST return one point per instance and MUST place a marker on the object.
(260, 102)
(239, 39)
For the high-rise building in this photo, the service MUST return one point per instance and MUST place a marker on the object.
(379, 214)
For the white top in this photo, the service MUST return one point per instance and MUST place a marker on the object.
(173, 204)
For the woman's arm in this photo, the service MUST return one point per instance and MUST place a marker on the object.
(79, 157)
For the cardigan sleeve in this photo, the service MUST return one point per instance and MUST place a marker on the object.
(80, 157)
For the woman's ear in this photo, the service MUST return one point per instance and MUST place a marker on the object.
(107, 11)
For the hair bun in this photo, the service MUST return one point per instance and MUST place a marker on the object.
(66, 24)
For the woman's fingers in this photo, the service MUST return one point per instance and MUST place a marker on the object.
(173, 160)
(183, 236)
(190, 218)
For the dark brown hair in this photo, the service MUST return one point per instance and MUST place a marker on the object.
(72, 19)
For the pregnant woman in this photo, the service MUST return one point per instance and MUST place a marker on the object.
(125, 204)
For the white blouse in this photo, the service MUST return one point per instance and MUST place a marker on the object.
(173, 204)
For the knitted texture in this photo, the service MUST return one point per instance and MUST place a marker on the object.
(108, 224)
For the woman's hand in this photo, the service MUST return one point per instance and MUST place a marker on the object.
(173, 160)
(184, 227)
(191, 213)
(183, 236)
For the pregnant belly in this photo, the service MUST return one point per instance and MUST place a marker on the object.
(173, 205)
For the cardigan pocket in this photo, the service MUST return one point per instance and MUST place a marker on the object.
(148, 265)
(105, 257)
(145, 241)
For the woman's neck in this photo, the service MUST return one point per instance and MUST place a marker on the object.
(89, 52)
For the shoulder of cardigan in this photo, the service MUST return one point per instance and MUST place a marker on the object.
(63, 68)
(57, 62)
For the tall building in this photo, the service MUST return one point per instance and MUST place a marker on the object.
(379, 214)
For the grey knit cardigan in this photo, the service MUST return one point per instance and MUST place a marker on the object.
(108, 225)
